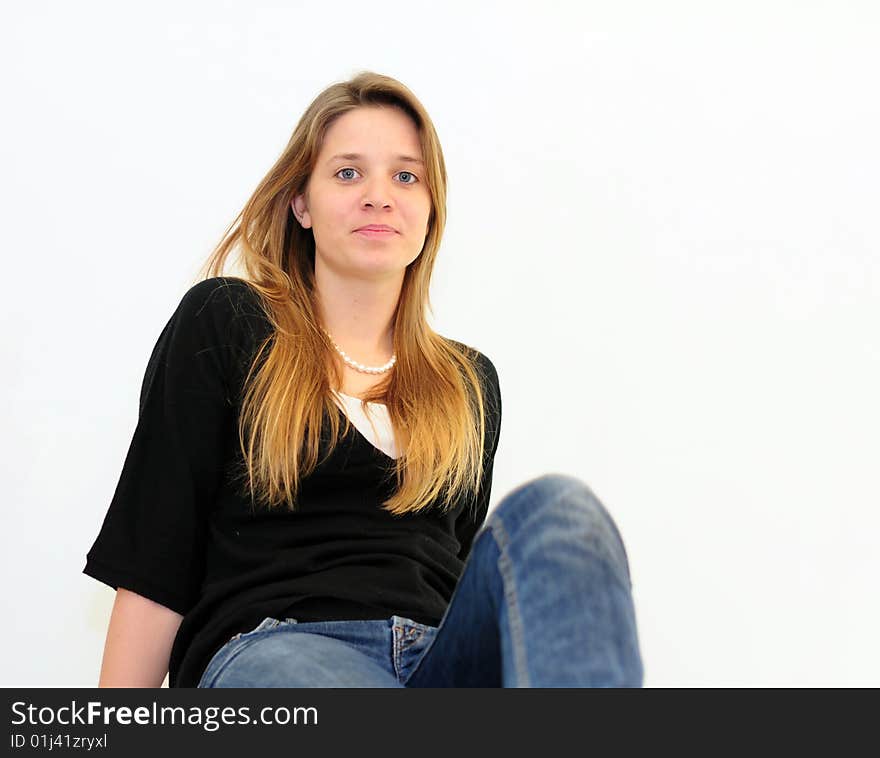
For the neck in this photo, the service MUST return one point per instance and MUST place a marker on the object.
(359, 313)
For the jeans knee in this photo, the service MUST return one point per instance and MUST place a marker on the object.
(547, 496)
(556, 509)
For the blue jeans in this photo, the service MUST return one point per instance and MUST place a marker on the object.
(544, 600)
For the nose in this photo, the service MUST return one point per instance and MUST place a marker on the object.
(373, 191)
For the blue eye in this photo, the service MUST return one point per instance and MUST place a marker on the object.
(410, 173)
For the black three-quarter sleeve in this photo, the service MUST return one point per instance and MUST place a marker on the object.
(471, 518)
(152, 539)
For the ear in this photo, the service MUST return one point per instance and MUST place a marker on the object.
(298, 206)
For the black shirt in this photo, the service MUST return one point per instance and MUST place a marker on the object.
(180, 529)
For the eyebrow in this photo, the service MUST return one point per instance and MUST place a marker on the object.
(359, 156)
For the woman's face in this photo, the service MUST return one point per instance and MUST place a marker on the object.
(378, 187)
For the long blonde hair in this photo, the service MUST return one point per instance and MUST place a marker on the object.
(435, 393)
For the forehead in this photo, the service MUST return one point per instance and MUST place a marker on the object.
(374, 132)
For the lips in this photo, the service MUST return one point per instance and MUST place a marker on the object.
(376, 228)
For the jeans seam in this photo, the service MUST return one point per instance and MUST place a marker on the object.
(505, 568)
(396, 646)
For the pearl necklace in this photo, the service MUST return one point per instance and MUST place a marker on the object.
(360, 366)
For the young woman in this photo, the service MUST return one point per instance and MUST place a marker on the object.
(255, 541)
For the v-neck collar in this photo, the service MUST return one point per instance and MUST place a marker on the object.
(358, 433)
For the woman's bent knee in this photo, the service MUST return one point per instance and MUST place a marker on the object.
(560, 511)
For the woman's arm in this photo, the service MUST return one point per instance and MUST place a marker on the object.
(139, 640)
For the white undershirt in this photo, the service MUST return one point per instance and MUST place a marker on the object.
(375, 425)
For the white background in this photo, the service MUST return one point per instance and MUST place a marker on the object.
(663, 230)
